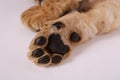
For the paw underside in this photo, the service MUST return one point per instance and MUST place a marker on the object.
(52, 52)
(49, 48)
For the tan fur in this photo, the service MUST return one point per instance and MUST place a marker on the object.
(37, 15)
(103, 18)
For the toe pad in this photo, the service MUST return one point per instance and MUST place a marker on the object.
(44, 60)
(37, 52)
(74, 37)
(56, 59)
(40, 40)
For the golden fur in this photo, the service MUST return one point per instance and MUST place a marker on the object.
(37, 15)
(104, 17)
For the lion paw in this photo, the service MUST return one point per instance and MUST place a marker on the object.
(52, 45)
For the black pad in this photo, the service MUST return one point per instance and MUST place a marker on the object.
(59, 25)
(56, 45)
(74, 37)
(40, 40)
(44, 60)
(56, 59)
(37, 52)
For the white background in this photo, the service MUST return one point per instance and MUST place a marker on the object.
(98, 59)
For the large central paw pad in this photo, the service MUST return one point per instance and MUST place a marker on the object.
(56, 45)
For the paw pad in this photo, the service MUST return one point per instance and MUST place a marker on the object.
(74, 37)
(37, 52)
(44, 60)
(56, 59)
(59, 25)
(40, 40)
(56, 45)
